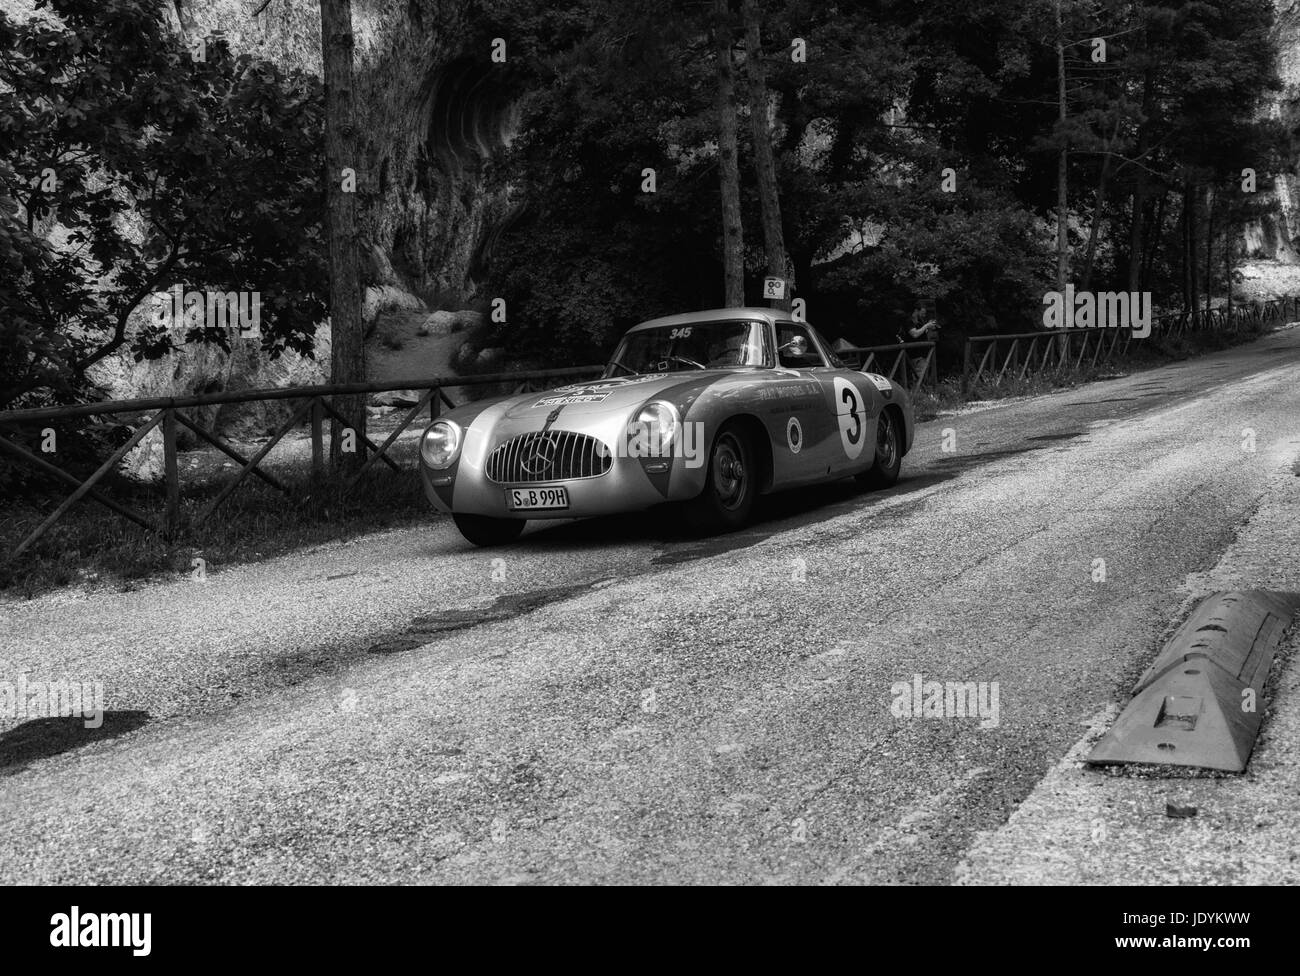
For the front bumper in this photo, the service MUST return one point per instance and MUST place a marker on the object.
(630, 485)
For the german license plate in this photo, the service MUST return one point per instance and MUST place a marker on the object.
(537, 499)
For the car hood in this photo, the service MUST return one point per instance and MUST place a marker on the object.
(621, 393)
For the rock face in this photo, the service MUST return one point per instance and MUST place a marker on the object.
(432, 108)
(1276, 236)
(198, 368)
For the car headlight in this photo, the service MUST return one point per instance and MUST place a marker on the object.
(654, 428)
(440, 444)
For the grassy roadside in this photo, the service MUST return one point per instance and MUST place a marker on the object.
(91, 545)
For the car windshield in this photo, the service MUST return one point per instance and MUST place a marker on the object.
(703, 345)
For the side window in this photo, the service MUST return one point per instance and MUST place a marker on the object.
(832, 358)
(796, 349)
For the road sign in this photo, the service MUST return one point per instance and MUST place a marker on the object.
(773, 288)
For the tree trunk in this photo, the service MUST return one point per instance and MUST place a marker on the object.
(1189, 247)
(1135, 264)
(1209, 246)
(769, 198)
(1154, 233)
(1062, 190)
(1062, 172)
(1094, 230)
(733, 241)
(347, 351)
(1228, 244)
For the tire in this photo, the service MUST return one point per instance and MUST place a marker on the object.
(730, 488)
(485, 531)
(883, 472)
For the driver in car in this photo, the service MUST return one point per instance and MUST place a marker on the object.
(733, 350)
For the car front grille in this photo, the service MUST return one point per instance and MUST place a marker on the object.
(553, 455)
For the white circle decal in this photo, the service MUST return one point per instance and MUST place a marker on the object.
(880, 382)
(794, 435)
(851, 416)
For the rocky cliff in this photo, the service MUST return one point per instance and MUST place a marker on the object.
(1276, 236)
(431, 109)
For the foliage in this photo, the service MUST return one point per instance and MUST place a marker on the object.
(130, 163)
(893, 94)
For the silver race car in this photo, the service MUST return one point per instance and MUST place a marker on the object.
(708, 409)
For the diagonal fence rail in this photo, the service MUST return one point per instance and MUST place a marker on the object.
(995, 358)
(909, 364)
(311, 404)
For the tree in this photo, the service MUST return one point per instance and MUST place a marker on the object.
(769, 194)
(733, 239)
(347, 335)
(130, 164)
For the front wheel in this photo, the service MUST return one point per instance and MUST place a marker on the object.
(486, 532)
(889, 453)
(730, 488)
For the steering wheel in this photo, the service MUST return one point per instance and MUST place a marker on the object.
(688, 361)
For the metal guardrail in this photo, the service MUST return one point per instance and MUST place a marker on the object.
(313, 402)
(995, 357)
(902, 368)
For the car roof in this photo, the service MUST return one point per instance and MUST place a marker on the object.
(771, 316)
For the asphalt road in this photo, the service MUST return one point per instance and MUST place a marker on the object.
(610, 701)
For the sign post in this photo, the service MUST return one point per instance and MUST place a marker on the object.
(774, 290)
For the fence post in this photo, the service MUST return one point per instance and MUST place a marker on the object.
(317, 443)
(171, 473)
(965, 368)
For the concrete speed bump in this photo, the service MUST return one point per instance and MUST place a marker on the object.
(1199, 703)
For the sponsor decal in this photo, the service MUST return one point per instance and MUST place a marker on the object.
(593, 392)
(785, 391)
(561, 401)
(879, 382)
(794, 435)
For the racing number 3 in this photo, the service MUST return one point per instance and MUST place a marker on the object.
(851, 422)
(850, 396)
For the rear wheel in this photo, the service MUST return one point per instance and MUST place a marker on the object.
(485, 531)
(889, 453)
(730, 488)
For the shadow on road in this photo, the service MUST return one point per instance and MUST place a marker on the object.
(41, 738)
(776, 513)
